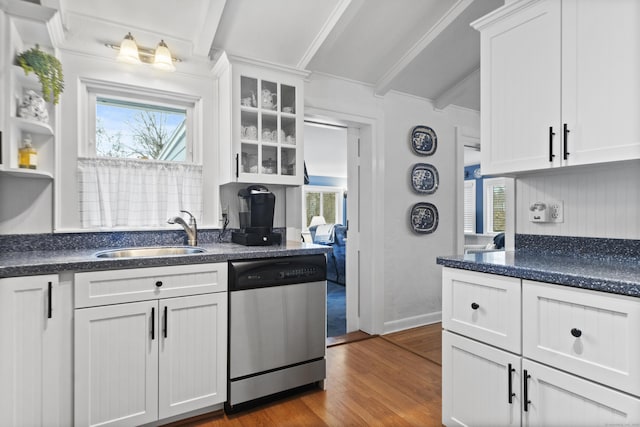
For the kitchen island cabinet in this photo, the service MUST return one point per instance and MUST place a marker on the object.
(35, 347)
(559, 84)
(578, 351)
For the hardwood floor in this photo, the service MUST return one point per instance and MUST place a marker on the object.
(425, 341)
(371, 382)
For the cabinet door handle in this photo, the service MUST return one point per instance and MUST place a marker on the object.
(153, 323)
(49, 300)
(237, 165)
(164, 328)
(576, 332)
(511, 393)
(159, 283)
(475, 305)
(525, 391)
(566, 153)
(551, 135)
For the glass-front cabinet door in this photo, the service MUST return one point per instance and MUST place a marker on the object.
(268, 131)
(260, 110)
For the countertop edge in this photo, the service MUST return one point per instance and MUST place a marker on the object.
(88, 262)
(612, 286)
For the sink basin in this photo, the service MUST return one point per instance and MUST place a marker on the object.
(147, 252)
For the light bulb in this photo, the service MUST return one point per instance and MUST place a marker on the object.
(128, 51)
(162, 60)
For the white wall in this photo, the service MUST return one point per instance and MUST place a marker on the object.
(325, 151)
(400, 278)
(599, 200)
(412, 282)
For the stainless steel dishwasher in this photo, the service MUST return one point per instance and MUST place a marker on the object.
(277, 327)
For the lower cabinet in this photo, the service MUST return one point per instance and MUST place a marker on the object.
(140, 362)
(480, 384)
(557, 398)
(35, 342)
(577, 367)
(485, 386)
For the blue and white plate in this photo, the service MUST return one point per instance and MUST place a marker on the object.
(424, 178)
(424, 140)
(424, 218)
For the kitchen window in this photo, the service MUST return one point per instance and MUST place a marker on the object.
(322, 201)
(140, 156)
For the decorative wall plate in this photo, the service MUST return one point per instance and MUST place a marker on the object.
(424, 178)
(424, 218)
(424, 140)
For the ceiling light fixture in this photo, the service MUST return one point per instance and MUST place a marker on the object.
(131, 53)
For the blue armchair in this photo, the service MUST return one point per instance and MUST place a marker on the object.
(335, 258)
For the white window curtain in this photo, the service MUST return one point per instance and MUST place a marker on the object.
(136, 193)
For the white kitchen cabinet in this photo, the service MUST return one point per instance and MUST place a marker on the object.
(139, 362)
(591, 334)
(116, 364)
(559, 84)
(485, 307)
(193, 353)
(25, 25)
(260, 110)
(556, 398)
(480, 383)
(577, 365)
(33, 334)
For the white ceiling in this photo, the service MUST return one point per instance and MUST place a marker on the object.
(421, 47)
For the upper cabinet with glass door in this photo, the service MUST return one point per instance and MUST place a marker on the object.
(261, 122)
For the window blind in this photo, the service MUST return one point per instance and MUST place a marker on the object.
(470, 206)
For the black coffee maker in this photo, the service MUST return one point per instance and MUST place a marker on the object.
(257, 205)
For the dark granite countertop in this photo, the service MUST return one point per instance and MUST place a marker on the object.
(35, 262)
(606, 273)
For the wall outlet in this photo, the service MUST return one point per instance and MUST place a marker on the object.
(556, 210)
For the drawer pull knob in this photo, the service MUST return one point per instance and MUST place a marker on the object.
(159, 283)
(576, 332)
(475, 305)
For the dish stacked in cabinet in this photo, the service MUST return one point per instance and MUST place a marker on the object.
(261, 122)
(517, 352)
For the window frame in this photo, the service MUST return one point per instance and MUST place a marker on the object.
(90, 90)
(339, 195)
(488, 185)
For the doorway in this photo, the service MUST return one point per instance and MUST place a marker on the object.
(324, 210)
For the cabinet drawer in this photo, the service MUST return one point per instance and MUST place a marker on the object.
(118, 286)
(482, 306)
(588, 333)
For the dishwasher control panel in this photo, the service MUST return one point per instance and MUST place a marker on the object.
(249, 274)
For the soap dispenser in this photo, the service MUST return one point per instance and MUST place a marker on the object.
(27, 155)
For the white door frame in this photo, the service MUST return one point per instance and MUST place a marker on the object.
(365, 257)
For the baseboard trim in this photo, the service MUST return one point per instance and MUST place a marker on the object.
(412, 322)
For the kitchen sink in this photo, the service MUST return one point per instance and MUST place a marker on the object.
(149, 252)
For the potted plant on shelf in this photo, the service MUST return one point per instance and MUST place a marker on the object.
(48, 69)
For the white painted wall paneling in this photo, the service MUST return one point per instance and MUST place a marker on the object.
(599, 201)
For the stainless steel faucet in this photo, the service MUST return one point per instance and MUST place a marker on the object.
(191, 229)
